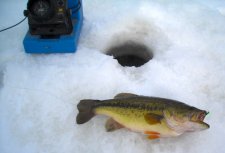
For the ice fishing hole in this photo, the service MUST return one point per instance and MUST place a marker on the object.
(131, 54)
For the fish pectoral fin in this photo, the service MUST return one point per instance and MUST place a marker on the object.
(153, 118)
(125, 95)
(112, 125)
(152, 134)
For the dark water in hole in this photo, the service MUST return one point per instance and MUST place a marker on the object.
(130, 60)
(131, 54)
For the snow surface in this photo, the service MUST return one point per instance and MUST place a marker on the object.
(39, 93)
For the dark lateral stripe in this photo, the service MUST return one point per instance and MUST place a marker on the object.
(129, 105)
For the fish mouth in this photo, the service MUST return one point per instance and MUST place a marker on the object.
(205, 125)
(199, 119)
(200, 116)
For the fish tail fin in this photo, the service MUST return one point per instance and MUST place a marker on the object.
(85, 108)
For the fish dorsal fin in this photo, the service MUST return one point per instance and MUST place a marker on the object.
(125, 95)
(153, 118)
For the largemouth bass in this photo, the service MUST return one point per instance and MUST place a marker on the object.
(153, 116)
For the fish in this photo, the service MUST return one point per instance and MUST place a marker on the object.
(153, 116)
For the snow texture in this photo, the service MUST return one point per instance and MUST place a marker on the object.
(39, 93)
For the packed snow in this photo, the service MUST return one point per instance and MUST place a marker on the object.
(39, 93)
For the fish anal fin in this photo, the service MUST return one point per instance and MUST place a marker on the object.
(153, 136)
(125, 95)
(112, 125)
(153, 118)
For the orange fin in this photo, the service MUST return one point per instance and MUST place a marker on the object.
(112, 125)
(152, 137)
(152, 133)
(153, 118)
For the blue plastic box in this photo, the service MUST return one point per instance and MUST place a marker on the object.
(63, 44)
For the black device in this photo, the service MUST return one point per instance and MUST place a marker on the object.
(49, 17)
